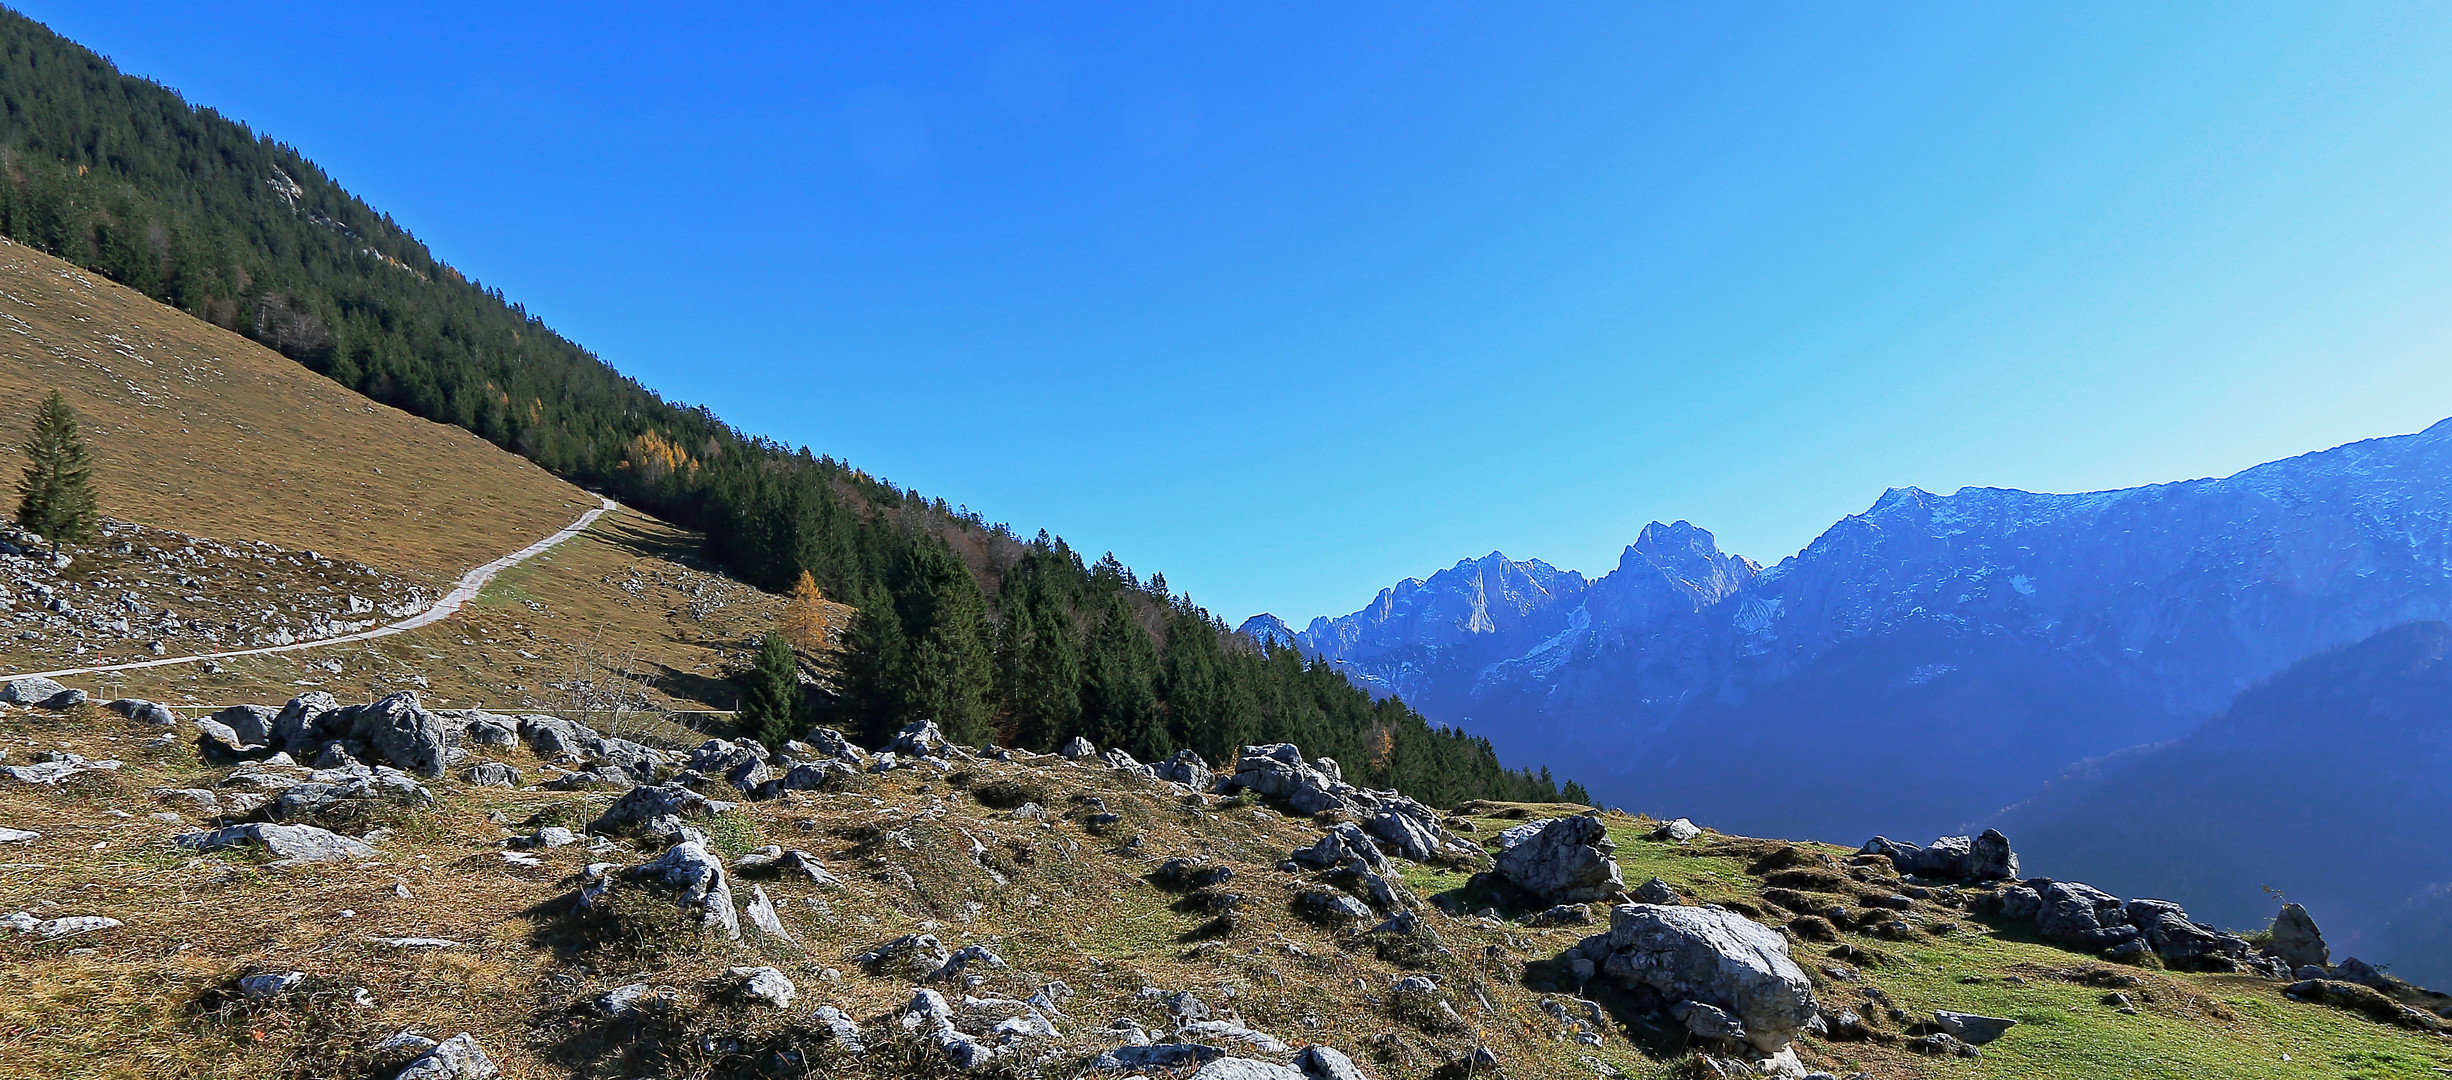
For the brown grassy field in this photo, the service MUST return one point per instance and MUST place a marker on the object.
(200, 430)
(624, 612)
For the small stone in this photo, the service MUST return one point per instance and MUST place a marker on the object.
(762, 986)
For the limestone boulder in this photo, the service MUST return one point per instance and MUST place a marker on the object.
(2297, 941)
(1714, 957)
(1561, 860)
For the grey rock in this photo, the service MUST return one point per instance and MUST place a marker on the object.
(492, 774)
(218, 742)
(66, 926)
(266, 985)
(911, 956)
(920, 738)
(1157, 1056)
(839, 1028)
(1943, 1044)
(1234, 1068)
(1186, 768)
(404, 1044)
(252, 723)
(1655, 891)
(1717, 958)
(1231, 1031)
(2082, 917)
(1960, 859)
(762, 985)
(698, 882)
(1344, 844)
(774, 859)
(2297, 941)
(740, 764)
(643, 804)
(962, 960)
(1278, 770)
(1709, 1021)
(18, 836)
(302, 843)
(1561, 915)
(456, 1058)
(1182, 1005)
(296, 728)
(401, 732)
(29, 691)
(144, 712)
(54, 771)
(1078, 748)
(627, 1002)
(1973, 1029)
(1327, 1063)
(832, 744)
(1562, 860)
(1675, 832)
(1334, 908)
(762, 917)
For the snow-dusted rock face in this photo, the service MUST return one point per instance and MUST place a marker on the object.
(2009, 633)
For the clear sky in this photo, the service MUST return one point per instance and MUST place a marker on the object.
(1292, 301)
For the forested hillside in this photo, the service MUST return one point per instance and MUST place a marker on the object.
(993, 636)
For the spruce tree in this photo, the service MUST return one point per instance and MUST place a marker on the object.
(56, 495)
(770, 692)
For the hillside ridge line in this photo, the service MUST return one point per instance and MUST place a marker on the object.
(462, 591)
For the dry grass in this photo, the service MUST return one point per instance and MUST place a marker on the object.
(625, 608)
(153, 998)
(199, 430)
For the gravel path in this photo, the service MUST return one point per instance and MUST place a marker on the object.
(469, 585)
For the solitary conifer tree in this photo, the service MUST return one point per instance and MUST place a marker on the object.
(56, 496)
(770, 692)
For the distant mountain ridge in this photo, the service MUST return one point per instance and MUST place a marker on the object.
(1997, 635)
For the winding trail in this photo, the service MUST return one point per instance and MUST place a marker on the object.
(466, 589)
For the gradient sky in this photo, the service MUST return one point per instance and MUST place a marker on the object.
(1293, 301)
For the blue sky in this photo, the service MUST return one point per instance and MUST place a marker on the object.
(1292, 301)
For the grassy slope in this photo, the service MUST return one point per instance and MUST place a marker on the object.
(574, 612)
(150, 999)
(200, 430)
(2194, 1027)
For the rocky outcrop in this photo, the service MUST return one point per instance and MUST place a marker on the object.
(1713, 957)
(299, 843)
(2083, 918)
(1561, 860)
(1411, 829)
(696, 880)
(1952, 858)
(2297, 941)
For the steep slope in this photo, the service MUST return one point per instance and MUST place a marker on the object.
(2000, 635)
(197, 429)
(2326, 783)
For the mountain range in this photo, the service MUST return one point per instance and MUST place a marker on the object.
(1924, 665)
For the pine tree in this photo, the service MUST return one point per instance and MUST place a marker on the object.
(804, 616)
(56, 496)
(770, 692)
(1575, 793)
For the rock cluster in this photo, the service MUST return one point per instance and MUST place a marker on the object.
(1957, 859)
(2077, 916)
(1408, 828)
(142, 591)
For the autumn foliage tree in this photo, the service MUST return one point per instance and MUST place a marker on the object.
(804, 616)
